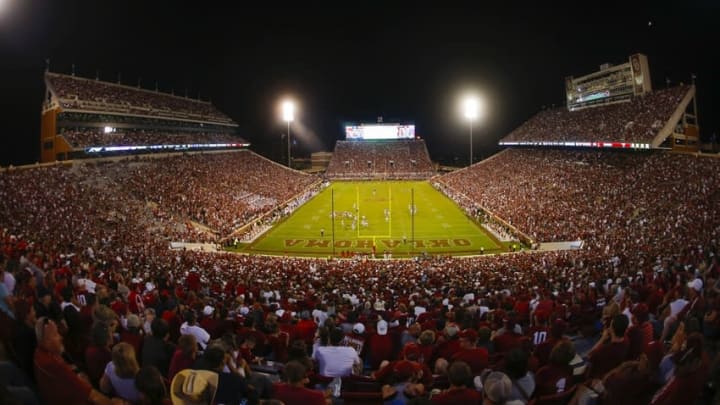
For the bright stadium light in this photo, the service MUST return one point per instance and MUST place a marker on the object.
(288, 113)
(471, 109)
(107, 130)
(288, 109)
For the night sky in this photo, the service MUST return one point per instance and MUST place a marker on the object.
(348, 64)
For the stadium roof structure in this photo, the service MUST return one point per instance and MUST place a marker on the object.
(78, 94)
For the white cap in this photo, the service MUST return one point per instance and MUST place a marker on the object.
(208, 310)
(359, 328)
(382, 328)
(696, 284)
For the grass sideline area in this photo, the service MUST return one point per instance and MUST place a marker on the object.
(383, 209)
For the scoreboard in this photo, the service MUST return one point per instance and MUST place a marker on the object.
(379, 131)
(610, 84)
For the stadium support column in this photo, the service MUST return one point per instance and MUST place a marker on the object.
(288, 134)
(332, 216)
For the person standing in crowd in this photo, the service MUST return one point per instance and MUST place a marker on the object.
(190, 327)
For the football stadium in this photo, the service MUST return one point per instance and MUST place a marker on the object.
(155, 255)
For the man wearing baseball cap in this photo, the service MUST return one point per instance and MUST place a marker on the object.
(412, 353)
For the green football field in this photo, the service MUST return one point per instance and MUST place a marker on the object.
(376, 214)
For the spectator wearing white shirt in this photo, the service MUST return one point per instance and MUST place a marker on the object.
(335, 360)
(671, 312)
(9, 281)
(319, 315)
(190, 327)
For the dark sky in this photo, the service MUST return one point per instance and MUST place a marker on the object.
(348, 64)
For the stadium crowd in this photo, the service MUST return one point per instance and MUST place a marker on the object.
(380, 159)
(638, 120)
(80, 93)
(87, 137)
(92, 298)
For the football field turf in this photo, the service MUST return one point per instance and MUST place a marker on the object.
(376, 214)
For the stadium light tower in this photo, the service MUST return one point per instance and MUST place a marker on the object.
(288, 112)
(470, 109)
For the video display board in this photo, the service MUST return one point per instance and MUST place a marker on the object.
(379, 131)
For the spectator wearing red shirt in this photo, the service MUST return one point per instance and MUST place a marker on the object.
(522, 308)
(691, 372)
(449, 343)
(247, 349)
(133, 335)
(173, 320)
(539, 332)
(543, 350)
(380, 345)
(57, 381)
(294, 391)
(507, 339)
(476, 357)
(640, 333)
(184, 355)
(210, 322)
(411, 352)
(611, 350)
(193, 281)
(135, 303)
(278, 341)
(426, 342)
(460, 377)
(259, 339)
(556, 377)
(356, 339)
(305, 329)
(547, 304)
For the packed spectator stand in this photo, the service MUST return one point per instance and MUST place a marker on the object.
(76, 93)
(636, 121)
(393, 159)
(650, 261)
(97, 137)
(84, 118)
